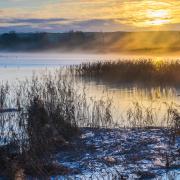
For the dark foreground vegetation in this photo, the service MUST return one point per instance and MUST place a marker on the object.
(34, 132)
(46, 116)
(143, 71)
(49, 116)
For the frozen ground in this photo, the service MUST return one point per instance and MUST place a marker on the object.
(123, 154)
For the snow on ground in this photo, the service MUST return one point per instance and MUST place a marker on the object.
(123, 154)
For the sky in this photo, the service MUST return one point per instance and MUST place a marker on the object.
(89, 15)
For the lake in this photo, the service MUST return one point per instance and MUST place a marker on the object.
(124, 98)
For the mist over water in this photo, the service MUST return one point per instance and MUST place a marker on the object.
(20, 65)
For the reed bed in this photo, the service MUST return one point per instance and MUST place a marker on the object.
(143, 71)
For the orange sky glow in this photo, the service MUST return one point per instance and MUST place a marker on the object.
(94, 15)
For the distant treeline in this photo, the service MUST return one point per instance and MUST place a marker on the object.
(90, 41)
(46, 41)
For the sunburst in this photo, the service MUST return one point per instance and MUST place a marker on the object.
(157, 17)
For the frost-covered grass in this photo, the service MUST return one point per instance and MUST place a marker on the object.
(123, 153)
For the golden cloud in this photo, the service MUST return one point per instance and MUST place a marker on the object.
(137, 13)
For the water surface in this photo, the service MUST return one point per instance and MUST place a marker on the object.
(124, 98)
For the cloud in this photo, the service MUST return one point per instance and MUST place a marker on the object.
(99, 15)
(59, 26)
(31, 20)
(101, 25)
(91, 25)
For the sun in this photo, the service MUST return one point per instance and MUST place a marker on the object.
(157, 17)
(157, 13)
